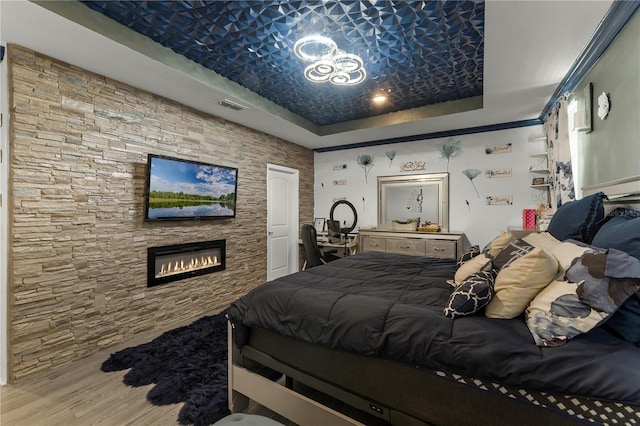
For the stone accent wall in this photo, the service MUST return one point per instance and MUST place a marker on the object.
(77, 239)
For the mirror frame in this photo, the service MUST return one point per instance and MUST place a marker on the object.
(441, 179)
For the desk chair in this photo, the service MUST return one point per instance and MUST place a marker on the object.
(313, 255)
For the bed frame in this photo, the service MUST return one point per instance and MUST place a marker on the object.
(315, 385)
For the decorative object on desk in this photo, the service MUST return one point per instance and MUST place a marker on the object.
(497, 149)
(538, 181)
(528, 218)
(187, 364)
(472, 174)
(603, 106)
(319, 224)
(390, 155)
(366, 162)
(407, 225)
(409, 166)
(451, 148)
(504, 172)
(499, 200)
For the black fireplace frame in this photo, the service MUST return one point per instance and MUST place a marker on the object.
(154, 252)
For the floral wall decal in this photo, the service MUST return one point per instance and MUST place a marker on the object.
(366, 162)
(472, 174)
(450, 148)
(391, 155)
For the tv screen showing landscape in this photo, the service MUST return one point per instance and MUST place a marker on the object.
(183, 189)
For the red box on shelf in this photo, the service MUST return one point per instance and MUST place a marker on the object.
(528, 218)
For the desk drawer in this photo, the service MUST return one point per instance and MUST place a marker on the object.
(373, 244)
(406, 246)
(440, 248)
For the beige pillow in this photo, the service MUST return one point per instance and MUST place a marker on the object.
(543, 240)
(519, 282)
(477, 264)
(500, 242)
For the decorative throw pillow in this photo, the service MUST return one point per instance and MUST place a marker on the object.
(620, 232)
(604, 282)
(477, 264)
(577, 219)
(494, 248)
(473, 294)
(469, 254)
(556, 315)
(513, 251)
(519, 282)
(543, 240)
(620, 212)
(566, 252)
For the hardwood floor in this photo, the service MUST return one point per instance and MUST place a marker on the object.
(82, 395)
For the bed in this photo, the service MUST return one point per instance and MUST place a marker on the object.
(379, 338)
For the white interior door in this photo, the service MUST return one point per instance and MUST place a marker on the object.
(282, 221)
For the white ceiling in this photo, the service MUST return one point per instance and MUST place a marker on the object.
(529, 47)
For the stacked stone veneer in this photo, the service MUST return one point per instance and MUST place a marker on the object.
(77, 238)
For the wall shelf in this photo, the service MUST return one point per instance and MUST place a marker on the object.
(539, 171)
(540, 154)
(544, 185)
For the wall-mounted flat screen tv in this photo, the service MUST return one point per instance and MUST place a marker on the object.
(182, 189)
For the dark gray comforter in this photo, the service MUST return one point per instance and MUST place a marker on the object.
(390, 306)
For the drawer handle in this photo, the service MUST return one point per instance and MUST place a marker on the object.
(375, 245)
(405, 247)
(438, 249)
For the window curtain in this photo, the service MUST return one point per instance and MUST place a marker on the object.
(559, 154)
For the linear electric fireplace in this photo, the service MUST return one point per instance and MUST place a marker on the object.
(176, 262)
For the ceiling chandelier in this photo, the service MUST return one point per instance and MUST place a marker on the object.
(329, 63)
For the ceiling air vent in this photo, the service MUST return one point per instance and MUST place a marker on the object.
(230, 104)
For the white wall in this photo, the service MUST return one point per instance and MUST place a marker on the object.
(479, 221)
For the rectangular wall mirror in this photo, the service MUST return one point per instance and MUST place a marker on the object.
(424, 196)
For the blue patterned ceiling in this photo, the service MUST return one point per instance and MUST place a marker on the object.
(418, 52)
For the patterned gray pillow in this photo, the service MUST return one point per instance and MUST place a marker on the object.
(606, 280)
(473, 294)
(597, 284)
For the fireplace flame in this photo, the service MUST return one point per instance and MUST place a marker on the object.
(193, 264)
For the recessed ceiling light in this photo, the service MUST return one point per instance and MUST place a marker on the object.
(379, 99)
